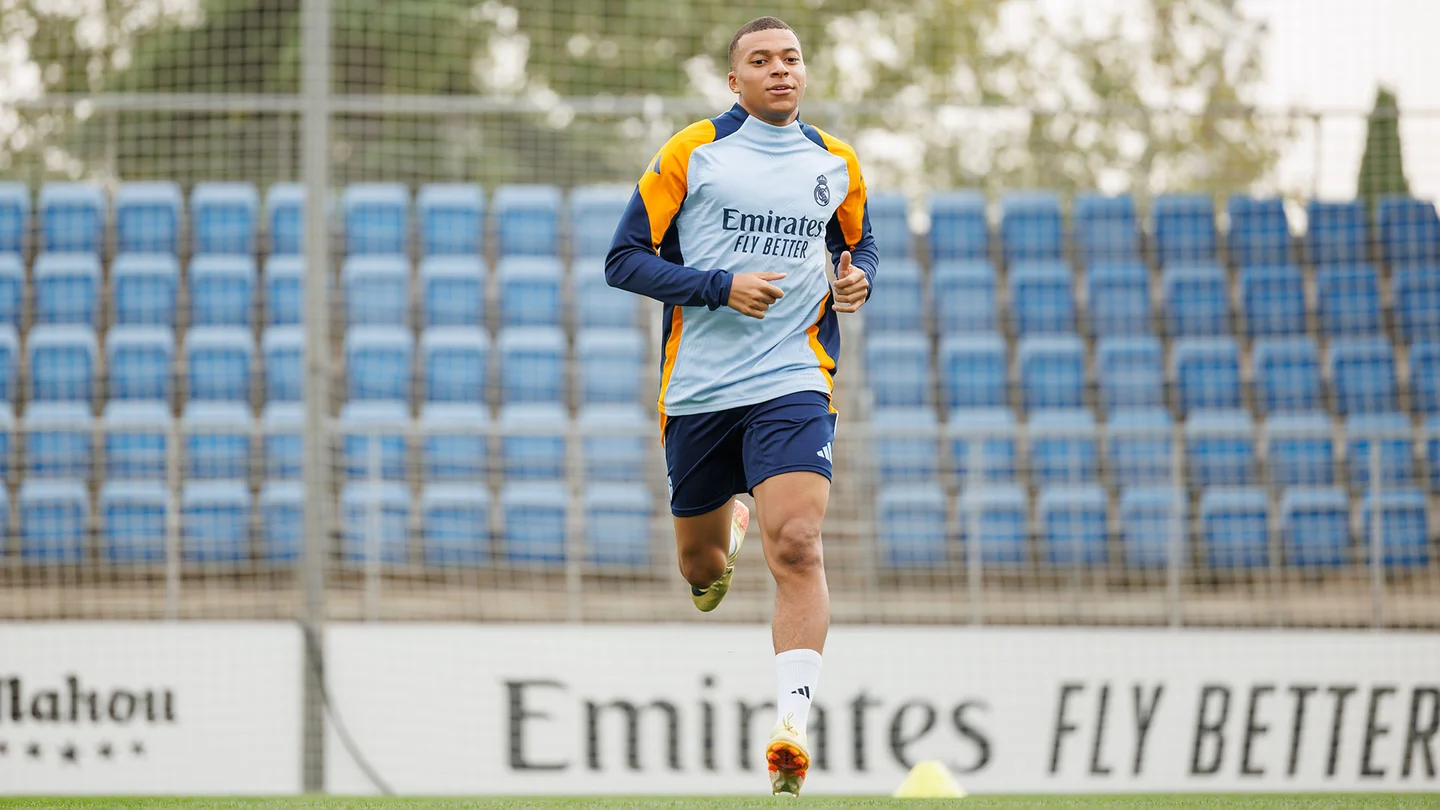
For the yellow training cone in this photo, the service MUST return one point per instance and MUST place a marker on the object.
(929, 780)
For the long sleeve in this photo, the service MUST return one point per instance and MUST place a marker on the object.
(849, 228)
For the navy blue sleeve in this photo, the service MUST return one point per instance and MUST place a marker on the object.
(863, 254)
(634, 266)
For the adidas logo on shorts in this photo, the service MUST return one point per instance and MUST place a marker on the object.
(824, 453)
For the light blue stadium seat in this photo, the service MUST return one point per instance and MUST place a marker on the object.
(1063, 448)
(143, 289)
(377, 219)
(1051, 371)
(1072, 524)
(1315, 525)
(614, 442)
(1220, 448)
(1184, 228)
(533, 440)
(377, 290)
(905, 444)
(12, 289)
(1392, 433)
(282, 521)
(72, 217)
(1404, 528)
(532, 365)
(1042, 297)
(1417, 301)
(1235, 527)
(1300, 450)
(533, 515)
(285, 219)
(282, 426)
(376, 520)
(959, 227)
(1409, 231)
(67, 289)
(222, 291)
(386, 423)
(1206, 372)
(62, 363)
(137, 436)
(1119, 298)
(219, 359)
(215, 521)
(911, 519)
(618, 517)
(284, 281)
(964, 295)
(997, 518)
(597, 304)
(1362, 376)
(1338, 233)
(1432, 451)
(595, 213)
(9, 364)
(1274, 300)
(902, 306)
(611, 366)
(972, 371)
(982, 443)
(455, 363)
(1139, 447)
(147, 217)
(1131, 373)
(223, 219)
(889, 222)
(898, 369)
(452, 219)
(378, 363)
(527, 220)
(54, 521)
(1031, 226)
(217, 438)
(455, 524)
(530, 291)
(132, 521)
(1106, 229)
(1287, 375)
(59, 441)
(1425, 377)
(1197, 300)
(141, 362)
(14, 219)
(8, 442)
(1150, 517)
(454, 442)
(452, 291)
(1348, 300)
(282, 352)
(1259, 232)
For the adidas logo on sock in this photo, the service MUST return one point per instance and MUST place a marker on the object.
(804, 691)
(825, 453)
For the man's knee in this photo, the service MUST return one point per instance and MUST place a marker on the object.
(797, 546)
(701, 567)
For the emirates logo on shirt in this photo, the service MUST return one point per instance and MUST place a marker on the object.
(822, 190)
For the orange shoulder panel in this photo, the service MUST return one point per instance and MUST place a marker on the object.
(664, 184)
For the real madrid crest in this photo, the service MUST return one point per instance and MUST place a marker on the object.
(822, 190)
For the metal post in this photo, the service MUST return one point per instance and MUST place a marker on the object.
(1175, 551)
(172, 522)
(374, 527)
(974, 571)
(1377, 539)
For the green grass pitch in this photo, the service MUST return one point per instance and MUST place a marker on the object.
(1185, 802)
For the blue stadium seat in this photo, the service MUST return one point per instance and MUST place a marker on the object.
(1337, 234)
(375, 517)
(1042, 297)
(1031, 226)
(455, 364)
(997, 519)
(532, 365)
(377, 290)
(611, 366)
(12, 288)
(1150, 518)
(455, 524)
(595, 213)
(911, 520)
(1300, 450)
(1404, 528)
(1315, 525)
(597, 304)
(1362, 375)
(14, 218)
(454, 442)
(215, 521)
(282, 426)
(452, 219)
(1235, 527)
(533, 440)
(1287, 375)
(1106, 229)
(284, 281)
(378, 363)
(530, 291)
(972, 372)
(1139, 447)
(137, 436)
(1392, 433)
(1425, 377)
(964, 295)
(132, 521)
(222, 291)
(1259, 231)
(452, 291)
(282, 521)
(1432, 451)
(1220, 448)
(1206, 372)
(527, 220)
(223, 219)
(898, 368)
(1131, 373)
(377, 219)
(282, 352)
(59, 441)
(216, 441)
(54, 521)
(959, 227)
(67, 289)
(386, 424)
(1273, 297)
(1119, 298)
(1417, 301)
(982, 442)
(147, 217)
(8, 442)
(1063, 448)
(1072, 524)
(219, 359)
(141, 362)
(618, 517)
(9, 364)
(1051, 372)
(1197, 300)
(1348, 300)
(533, 514)
(143, 289)
(1409, 231)
(285, 219)
(62, 363)
(1184, 228)
(905, 444)
(614, 442)
(889, 222)
(902, 306)
(72, 218)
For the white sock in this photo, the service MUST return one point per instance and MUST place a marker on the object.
(797, 673)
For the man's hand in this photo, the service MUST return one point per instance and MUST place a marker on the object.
(752, 293)
(851, 287)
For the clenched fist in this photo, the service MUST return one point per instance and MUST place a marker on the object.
(752, 293)
(851, 287)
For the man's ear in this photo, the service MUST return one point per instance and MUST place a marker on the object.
(734, 83)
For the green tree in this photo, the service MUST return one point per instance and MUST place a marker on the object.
(1382, 167)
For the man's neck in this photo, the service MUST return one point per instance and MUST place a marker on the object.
(788, 120)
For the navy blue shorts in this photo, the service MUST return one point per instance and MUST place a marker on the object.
(711, 457)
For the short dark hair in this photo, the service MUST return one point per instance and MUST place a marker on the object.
(757, 24)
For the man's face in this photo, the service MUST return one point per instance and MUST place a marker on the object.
(769, 75)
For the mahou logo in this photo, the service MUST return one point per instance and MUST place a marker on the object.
(95, 723)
